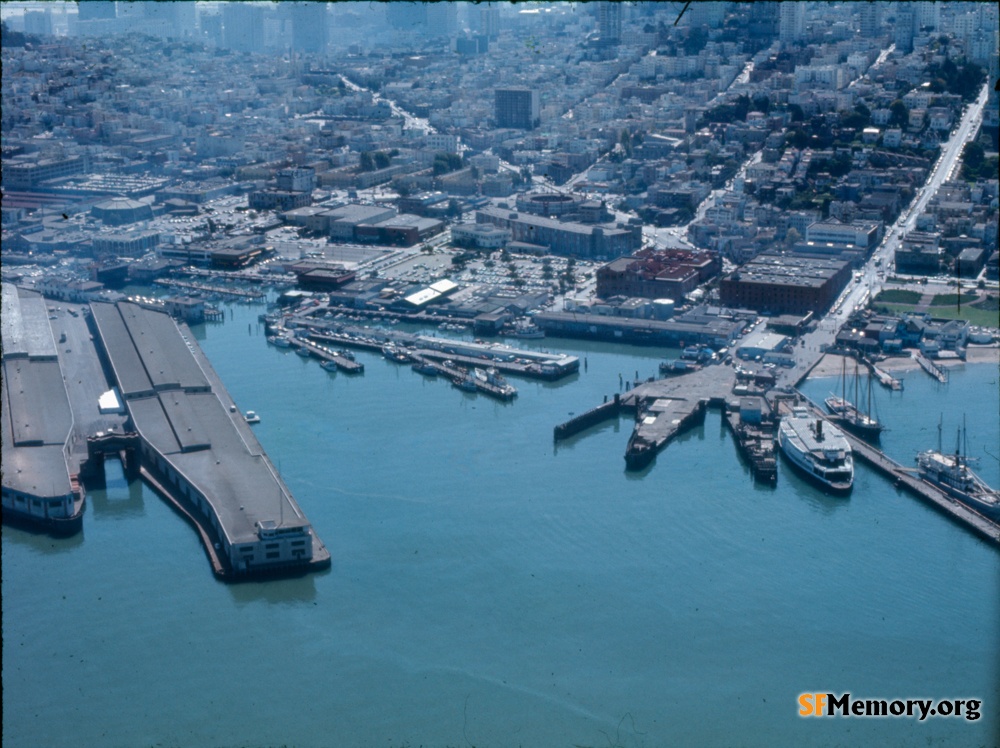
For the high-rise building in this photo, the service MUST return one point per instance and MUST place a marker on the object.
(309, 27)
(869, 20)
(489, 20)
(38, 22)
(791, 21)
(211, 27)
(609, 22)
(906, 23)
(96, 10)
(928, 14)
(442, 19)
(242, 27)
(763, 20)
(517, 107)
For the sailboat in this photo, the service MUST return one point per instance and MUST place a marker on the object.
(847, 413)
(952, 474)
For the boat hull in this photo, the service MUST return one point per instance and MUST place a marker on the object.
(791, 434)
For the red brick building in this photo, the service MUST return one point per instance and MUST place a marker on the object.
(657, 274)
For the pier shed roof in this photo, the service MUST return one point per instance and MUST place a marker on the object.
(39, 407)
(36, 471)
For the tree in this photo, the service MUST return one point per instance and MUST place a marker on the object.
(900, 115)
(366, 162)
(792, 237)
(382, 160)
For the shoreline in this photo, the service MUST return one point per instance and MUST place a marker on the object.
(830, 365)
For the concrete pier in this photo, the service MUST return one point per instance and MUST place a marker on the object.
(604, 412)
(197, 450)
(657, 422)
(908, 479)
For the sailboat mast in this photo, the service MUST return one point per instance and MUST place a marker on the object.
(856, 401)
(868, 411)
(843, 385)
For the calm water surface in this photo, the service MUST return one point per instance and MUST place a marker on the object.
(492, 589)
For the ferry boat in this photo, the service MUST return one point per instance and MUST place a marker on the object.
(952, 474)
(251, 417)
(819, 450)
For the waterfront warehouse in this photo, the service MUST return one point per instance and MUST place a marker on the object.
(40, 486)
(196, 446)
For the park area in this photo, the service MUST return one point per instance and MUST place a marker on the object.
(978, 307)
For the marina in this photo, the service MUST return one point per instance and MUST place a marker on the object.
(226, 292)
(559, 503)
(666, 408)
(519, 362)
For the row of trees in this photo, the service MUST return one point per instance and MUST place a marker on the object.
(445, 163)
(377, 160)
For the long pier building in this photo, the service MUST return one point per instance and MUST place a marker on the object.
(197, 448)
(40, 480)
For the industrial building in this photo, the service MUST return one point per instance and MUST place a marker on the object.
(38, 486)
(785, 284)
(657, 274)
(565, 238)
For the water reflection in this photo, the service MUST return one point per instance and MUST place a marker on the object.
(39, 540)
(295, 590)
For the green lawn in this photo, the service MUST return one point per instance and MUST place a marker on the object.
(985, 313)
(897, 296)
(951, 299)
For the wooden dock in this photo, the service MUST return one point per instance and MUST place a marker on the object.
(236, 293)
(931, 368)
(323, 353)
(906, 478)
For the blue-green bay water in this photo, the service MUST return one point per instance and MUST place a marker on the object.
(490, 588)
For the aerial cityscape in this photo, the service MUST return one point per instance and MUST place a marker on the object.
(500, 374)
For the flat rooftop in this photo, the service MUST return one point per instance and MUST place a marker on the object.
(36, 417)
(789, 269)
(195, 426)
(25, 325)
